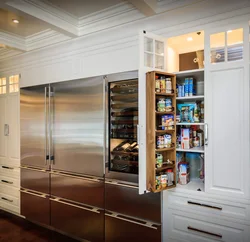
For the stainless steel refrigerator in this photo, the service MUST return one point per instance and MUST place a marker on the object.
(62, 156)
(72, 178)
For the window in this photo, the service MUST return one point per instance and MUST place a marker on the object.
(14, 83)
(3, 85)
(226, 46)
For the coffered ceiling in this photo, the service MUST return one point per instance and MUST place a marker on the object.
(46, 22)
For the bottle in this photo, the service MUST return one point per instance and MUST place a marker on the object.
(131, 147)
(168, 85)
(190, 87)
(123, 146)
(186, 84)
(136, 148)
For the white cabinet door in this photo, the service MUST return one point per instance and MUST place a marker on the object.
(227, 111)
(152, 57)
(3, 122)
(14, 131)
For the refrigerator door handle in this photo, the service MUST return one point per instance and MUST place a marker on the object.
(88, 208)
(6, 130)
(33, 169)
(78, 177)
(33, 193)
(138, 222)
(46, 126)
(51, 122)
(120, 184)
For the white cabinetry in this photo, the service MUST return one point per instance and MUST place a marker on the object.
(215, 207)
(9, 144)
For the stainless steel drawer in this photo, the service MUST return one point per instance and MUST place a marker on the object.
(81, 189)
(35, 179)
(126, 200)
(35, 206)
(80, 221)
(123, 229)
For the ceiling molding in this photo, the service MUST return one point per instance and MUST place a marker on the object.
(147, 7)
(44, 38)
(13, 41)
(7, 53)
(110, 17)
(57, 19)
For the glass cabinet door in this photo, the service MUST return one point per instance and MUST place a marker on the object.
(123, 121)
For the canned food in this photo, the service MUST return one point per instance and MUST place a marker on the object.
(167, 140)
(159, 160)
(163, 85)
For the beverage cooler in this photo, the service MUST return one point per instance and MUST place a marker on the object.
(128, 215)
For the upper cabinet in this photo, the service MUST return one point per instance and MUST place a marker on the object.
(209, 73)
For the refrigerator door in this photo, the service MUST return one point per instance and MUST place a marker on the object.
(78, 126)
(78, 220)
(34, 124)
(35, 206)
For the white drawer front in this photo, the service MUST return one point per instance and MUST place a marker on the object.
(12, 191)
(10, 181)
(188, 227)
(210, 207)
(9, 207)
(11, 162)
(11, 171)
(9, 199)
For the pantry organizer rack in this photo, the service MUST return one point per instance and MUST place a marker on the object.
(153, 129)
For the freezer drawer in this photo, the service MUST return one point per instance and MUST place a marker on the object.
(126, 200)
(80, 221)
(123, 229)
(35, 207)
(78, 188)
(35, 179)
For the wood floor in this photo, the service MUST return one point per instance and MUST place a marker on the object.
(16, 229)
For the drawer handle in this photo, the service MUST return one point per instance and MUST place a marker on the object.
(6, 181)
(121, 184)
(33, 169)
(33, 193)
(204, 232)
(91, 209)
(204, 205)
(138, 222)
(6, 199)
(7, 167)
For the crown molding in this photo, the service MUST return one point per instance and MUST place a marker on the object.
(57, 19)
(7, 53)
(44, 38)
(110, 17)
(14, 41)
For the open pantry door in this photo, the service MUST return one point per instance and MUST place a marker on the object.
(152, 52)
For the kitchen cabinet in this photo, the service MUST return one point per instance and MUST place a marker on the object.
(10, 144)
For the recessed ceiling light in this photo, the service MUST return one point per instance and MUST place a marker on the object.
(230, 31)
(189, 39)
(16, 21)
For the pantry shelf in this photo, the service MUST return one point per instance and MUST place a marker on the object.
(164, 131)
(190, 124)
(165, 94)
(164, 149)
(200, 97)
(164, 168)
(159, 113)
(192, 150)
(194, 185)
(189, 72)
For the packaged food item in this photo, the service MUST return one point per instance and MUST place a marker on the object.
(190, 87)
(168, 85)
(160, 142)
(200, 135)
(170, 175)
(186, 138)
(159, 160)
(161, 105)
(167, 122)
(186, 84)
(163, 84)
(202, 111)
(196, 114)
(164, 180)
(158, 182)
(178, 118)
(179, 90)
(186, 112)
(184, 175)
(167, 140)
(168, 104)
(196, 142)
(157, 85)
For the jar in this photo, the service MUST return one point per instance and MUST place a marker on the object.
(161, 105)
